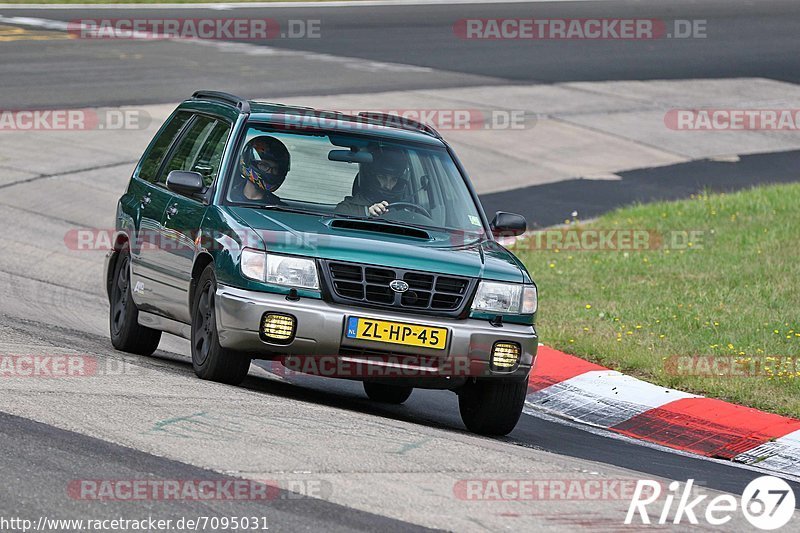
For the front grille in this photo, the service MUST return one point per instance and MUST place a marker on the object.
(369, 285)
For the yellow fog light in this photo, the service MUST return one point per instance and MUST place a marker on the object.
(505, 356)
(278, 328)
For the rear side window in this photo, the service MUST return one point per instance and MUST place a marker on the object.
(209, 157)
(148, 169)
(200, 149)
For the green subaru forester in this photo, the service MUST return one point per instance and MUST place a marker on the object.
(349, 246)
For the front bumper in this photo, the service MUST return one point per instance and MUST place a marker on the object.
(321, 332)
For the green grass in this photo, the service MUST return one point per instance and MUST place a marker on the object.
(735, 292)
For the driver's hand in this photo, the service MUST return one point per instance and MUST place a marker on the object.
(376, 210)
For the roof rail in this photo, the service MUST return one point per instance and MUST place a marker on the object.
(240, 103)
(401, 122)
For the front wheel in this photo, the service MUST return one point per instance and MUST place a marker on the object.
(492, 407)
(378, 392)
(123, 321)
(210, 360)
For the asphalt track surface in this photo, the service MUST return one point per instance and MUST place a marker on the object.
(49, 459)
(744, 39)
(440, 409)
(39, 459)
(592, 198)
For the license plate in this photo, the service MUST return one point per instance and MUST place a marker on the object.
(396, 333)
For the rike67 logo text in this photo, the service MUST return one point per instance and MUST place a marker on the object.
(767, 503)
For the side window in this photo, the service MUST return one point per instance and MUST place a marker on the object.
(152, 160)
(199, 150)
(209, 158)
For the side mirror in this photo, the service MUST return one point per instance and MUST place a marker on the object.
(186, 183)
(508, 224)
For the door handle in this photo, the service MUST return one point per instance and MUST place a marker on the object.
(172, 211)
(146, 200)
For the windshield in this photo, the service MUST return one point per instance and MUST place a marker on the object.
(352, 176)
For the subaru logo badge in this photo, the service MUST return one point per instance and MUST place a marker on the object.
(398, 285)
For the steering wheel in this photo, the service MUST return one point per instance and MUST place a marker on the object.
(414, 207)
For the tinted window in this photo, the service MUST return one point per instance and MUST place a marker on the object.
(200, 149)
(150, 163)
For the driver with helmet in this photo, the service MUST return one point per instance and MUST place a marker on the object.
(380, 183)
(264, 165)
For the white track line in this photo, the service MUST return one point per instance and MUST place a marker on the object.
(35, 23)
(239, 48)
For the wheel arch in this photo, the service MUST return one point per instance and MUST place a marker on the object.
(200, 263)
(120, 240)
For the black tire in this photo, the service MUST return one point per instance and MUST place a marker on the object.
(379, 392)
(123, 316)
(210, 360)
(492, 407)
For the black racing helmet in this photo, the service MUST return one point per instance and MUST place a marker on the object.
(265, 162)
(387, 162)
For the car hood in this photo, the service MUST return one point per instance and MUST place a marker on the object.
(444, 252)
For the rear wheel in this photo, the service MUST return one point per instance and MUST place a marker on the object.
(210, 360)
(126, 332)
(492, 407)
(379, 392)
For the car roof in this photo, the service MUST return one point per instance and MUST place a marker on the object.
(375, 124)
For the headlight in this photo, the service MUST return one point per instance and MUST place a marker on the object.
(284, 270)
(511, 298)
(292, 271)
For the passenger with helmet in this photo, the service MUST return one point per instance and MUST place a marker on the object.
(382, 182)
(264, 164)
